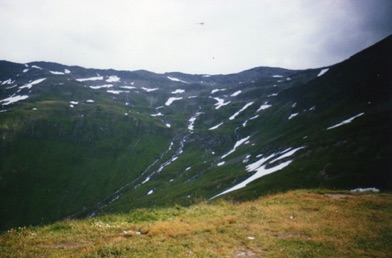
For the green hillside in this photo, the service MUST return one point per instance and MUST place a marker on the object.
(79, 142)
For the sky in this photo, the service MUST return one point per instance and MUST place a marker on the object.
(191, 36)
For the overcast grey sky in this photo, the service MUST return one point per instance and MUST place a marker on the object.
(199, 36)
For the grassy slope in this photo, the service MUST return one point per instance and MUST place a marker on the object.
(64, 162)
(58, 161)
(294, 224)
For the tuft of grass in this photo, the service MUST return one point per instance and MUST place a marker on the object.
(294, 224)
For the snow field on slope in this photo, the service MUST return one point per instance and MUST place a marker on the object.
(236, 145)
(149, 89)
(215, 127)
(217, 90)
(97, 78)
(347, 121)
(192, 121)
(171, 100)
(113, 78)
(178, 91)
(236, 93)
(220, 103)
(54, 72)
(30, 84)
(176, 80)
(101, 86)
(323, 71)
(116, 92)
(260, 168)
(241, 110)
(13, 99)
(264, 106)
(9, 81)
(292, 116)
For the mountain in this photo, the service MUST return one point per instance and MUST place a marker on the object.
(78, 142)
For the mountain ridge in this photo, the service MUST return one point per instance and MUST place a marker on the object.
(78, 142)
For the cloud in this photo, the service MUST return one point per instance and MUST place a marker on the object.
(166, 35)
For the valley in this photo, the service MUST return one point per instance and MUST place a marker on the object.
(79, 142)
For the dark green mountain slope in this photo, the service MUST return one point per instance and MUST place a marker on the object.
(76, 141)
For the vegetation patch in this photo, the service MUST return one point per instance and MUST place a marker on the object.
(299, 223)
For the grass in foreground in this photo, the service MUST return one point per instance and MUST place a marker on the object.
(295, 224)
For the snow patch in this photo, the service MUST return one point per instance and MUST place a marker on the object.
(30, 84)
(236, 93)
(158, 114)
(150, 192)
(260, 168)
(146, 180)
(13, 99)
(246, 158)
(220, 103)
(293, 115)
(73, 102)
(264, 106)
(277, 76)
(90, 101)
(178, 91)
(241, 110)
(220, 163)
(66, 71)
(171, 100)
(176, 80)
(102, 86)
(323, 72)
(236, 145)
(117, 91)
(97, 78)
(371, 189)
(287, 153)
(9, 81)
(56, 73)
(168, 125)
(149, 89)
(192, 121)
(347, 121)
(217, 90)
(128, 87)
(113, 78)
(216, 126)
